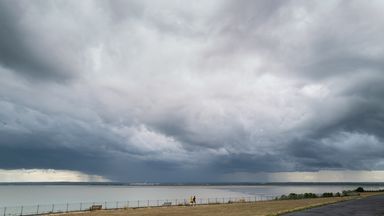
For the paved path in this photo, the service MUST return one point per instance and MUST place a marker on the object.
(369, 206)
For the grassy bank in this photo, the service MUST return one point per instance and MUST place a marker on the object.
(235, 209)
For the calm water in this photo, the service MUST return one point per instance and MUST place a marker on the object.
(14, 195)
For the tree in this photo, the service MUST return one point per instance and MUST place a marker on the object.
(359, 189)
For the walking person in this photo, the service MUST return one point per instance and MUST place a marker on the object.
(194, 200)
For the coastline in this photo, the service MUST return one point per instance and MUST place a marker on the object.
(272, 207)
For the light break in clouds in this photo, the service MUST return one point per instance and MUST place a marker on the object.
(48, 175)
(174, 91)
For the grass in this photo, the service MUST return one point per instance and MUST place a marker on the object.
(235, 209)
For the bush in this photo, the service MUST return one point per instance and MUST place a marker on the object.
(359, 189)
(297, 196)
(327, 195)
(292, 196)
(310, 195)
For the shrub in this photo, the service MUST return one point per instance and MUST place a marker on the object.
(297, 196)
(359, 189)
(292, 196)
(310, 195)
(327, 195)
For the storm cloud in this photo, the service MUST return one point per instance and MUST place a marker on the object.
(191, 91)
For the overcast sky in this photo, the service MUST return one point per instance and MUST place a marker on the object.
(192, 90)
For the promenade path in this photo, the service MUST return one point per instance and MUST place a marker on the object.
(370, 206)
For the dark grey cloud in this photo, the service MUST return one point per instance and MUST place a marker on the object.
(18, 48)
(40, 42)
(175, 91)
(338, 150)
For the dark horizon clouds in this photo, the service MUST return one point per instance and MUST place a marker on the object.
(191, 91)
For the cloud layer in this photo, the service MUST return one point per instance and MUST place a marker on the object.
(47, 175)
(176, 91)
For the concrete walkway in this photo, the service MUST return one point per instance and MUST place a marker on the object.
(369, 206)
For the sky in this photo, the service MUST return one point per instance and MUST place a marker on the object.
(191, 91)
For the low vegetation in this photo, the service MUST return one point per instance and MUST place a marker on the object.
(294, 196)
(356, 192)
(360, 189)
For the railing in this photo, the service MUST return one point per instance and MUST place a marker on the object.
(86, 206)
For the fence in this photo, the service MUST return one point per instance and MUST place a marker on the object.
(85, 206)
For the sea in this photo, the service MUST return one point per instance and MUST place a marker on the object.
(17, 194)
